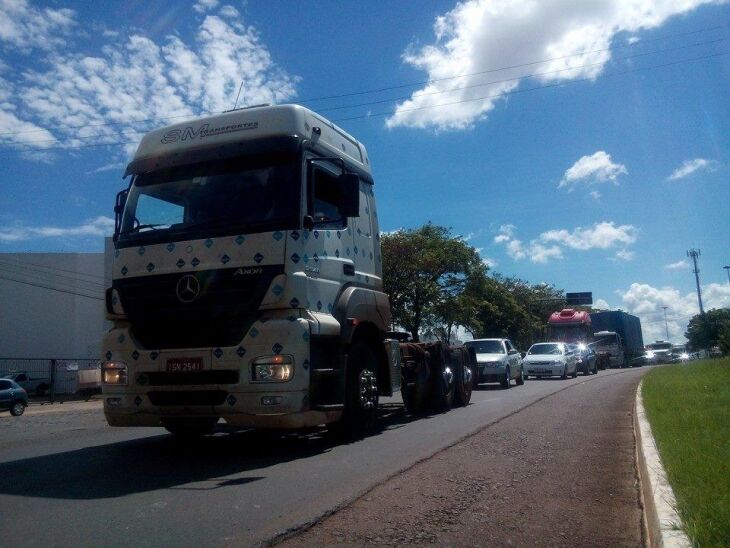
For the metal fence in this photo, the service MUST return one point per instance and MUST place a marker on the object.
(54, 379)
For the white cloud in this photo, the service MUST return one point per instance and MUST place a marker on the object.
(478, 36)
(24, 27)
(205, 5)
(489, 262)
(595, 195)
(679, 265)
(601, 304)
(550, 244)
(76, 100)
(593, 169)
(688, 167)
(647, 302)
(602, 235)
(100, 226)
(229, 11)
(625, 255)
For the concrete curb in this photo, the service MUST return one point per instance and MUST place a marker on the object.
(661, 520)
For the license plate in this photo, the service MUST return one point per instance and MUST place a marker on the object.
(184, 365)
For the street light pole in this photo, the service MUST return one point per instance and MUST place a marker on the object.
(694, 253)
(666, 325)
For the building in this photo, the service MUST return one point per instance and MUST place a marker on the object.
(52, 305)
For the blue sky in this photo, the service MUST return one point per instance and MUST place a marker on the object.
(593, 163)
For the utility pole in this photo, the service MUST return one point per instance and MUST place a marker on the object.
(727, 269)
(694, 253)
(666, 325)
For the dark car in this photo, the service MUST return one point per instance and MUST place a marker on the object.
(587, 358)
(12, 397)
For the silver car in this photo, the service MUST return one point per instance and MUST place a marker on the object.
(550, 359)
(497, 361)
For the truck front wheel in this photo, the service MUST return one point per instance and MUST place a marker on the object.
(362, 397)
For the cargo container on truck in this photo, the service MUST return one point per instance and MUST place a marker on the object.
(618, 335)
(247, 283)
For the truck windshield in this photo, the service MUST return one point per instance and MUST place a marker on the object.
(606, 340)
(213, 198)
(568, 332)
(659, 346)
(486, 347)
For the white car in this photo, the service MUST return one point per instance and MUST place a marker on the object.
(497, 361)
(550, 359)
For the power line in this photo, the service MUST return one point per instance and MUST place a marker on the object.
(40, 278)
(518, 78)
(50, 276)
(393, 87)
(389, 113)
(547, 86)
(52, 288)
(18, 262)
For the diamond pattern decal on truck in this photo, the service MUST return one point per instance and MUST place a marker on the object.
(294, 303)
(124, 270)
(180, 263)
(218, 353)
(153, 356)
(295, 235)
(240, 239)
(150, 267)
(277, 235)
(225, 258)
(195, 262)
(141, 251)
(253, 332)
(277, 290)
(240, 351)
(208, 243)
(295, 258)
(170, 247)
(316, 234)
(135, 355)
(277, 348)
(258, 257)
(108, 355)
(120, 338)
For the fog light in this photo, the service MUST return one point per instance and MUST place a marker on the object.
(114, 373)
(270, 400)
(114, 402)
(277, 368)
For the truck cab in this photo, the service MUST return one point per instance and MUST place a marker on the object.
(247, 277)
(609, 344)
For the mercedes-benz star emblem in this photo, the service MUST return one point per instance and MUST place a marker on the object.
(188, 288)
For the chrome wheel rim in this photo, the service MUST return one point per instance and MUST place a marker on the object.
(368, 389)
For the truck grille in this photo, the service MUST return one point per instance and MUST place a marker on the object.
(164, 378)
(220, 315)
(188, 397)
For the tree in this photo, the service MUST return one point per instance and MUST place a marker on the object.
(426, 273)
(704, 331)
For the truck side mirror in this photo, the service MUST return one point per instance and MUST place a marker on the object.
(118, 210)
(349, 184)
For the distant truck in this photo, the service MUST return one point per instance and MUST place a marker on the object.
(570, 326)
(617, 337)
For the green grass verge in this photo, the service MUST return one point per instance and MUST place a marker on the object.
(688, 407)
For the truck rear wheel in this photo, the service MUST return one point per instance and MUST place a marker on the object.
(444, 388)
(415, 386)
(463, 385)
(361, 388)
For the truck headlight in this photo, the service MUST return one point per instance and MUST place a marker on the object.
(650, 355)
(114, 373)
(277, 368)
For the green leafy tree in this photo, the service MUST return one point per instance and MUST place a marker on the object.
(704, 331)
(724, 338)
(426, 272)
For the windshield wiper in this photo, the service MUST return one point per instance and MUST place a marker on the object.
(140, 227)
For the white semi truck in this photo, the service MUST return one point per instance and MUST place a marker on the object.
(247, 283)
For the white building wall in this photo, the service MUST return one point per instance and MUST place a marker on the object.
(52, 305)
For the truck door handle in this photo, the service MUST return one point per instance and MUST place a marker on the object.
(348, 269)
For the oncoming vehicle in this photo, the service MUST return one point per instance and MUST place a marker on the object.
(12, 397)
(550, 359)
(586, 358)
(497, 361)
(659, 352)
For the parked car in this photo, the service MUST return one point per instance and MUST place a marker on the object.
(32, 385)
(497, 361)
(12, 397)
(550, 359)
(587, 359)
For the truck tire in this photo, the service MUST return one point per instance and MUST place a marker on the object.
(521, 379)
(17, 409)
(506, 381)
(463, 385)
(185, 429)
(415, 386)
(444, 388)
(361, 387)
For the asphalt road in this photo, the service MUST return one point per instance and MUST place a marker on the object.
(67, 478)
